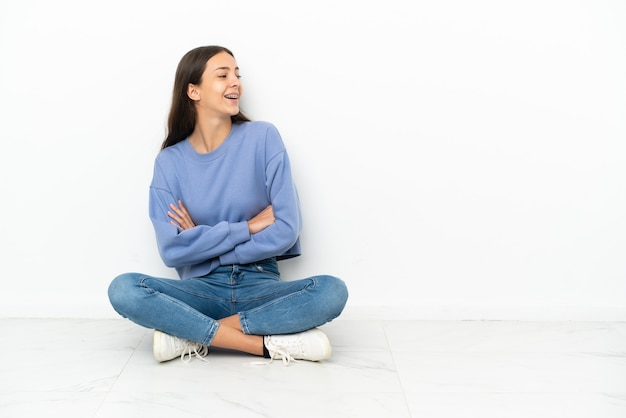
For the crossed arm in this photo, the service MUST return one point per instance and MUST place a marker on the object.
(180, 218)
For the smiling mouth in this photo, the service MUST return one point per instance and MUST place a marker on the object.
(232, 96)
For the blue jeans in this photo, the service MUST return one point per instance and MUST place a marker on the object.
(266, 304)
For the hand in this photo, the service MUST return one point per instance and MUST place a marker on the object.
(180, 217)
(262, 220)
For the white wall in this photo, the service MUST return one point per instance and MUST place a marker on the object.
(455, 159)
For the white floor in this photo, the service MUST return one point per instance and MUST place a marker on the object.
(104, 368)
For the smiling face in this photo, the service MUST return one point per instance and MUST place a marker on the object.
(220, 89)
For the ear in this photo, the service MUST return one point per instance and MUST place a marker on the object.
(192, 92)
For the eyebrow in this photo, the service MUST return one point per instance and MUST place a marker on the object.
(225, 68)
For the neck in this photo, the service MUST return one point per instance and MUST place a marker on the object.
(209, 134)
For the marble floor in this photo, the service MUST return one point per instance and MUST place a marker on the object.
(392, 369)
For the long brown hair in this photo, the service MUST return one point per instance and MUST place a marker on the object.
(182, 117)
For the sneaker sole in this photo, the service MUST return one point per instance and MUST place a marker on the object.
(156, 346)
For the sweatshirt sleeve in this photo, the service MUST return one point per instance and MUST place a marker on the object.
(192, 246)
(278, 238)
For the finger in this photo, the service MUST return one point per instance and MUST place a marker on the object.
(182, 215)
(187, 218)
(175, 217)
(178, 211)
(182, 212)
(179, 222)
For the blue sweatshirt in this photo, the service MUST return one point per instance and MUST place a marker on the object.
(222, 190)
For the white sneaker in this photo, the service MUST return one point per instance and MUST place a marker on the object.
(312, 345)
(166, 347)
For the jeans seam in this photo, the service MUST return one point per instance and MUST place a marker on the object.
(214, 324)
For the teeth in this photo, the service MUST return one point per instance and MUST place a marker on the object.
(232, 96)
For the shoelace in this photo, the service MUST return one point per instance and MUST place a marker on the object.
(287, 358)
(187, 353)
(275, 351)
(281, 351)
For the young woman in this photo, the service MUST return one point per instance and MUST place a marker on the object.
(225, 209)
